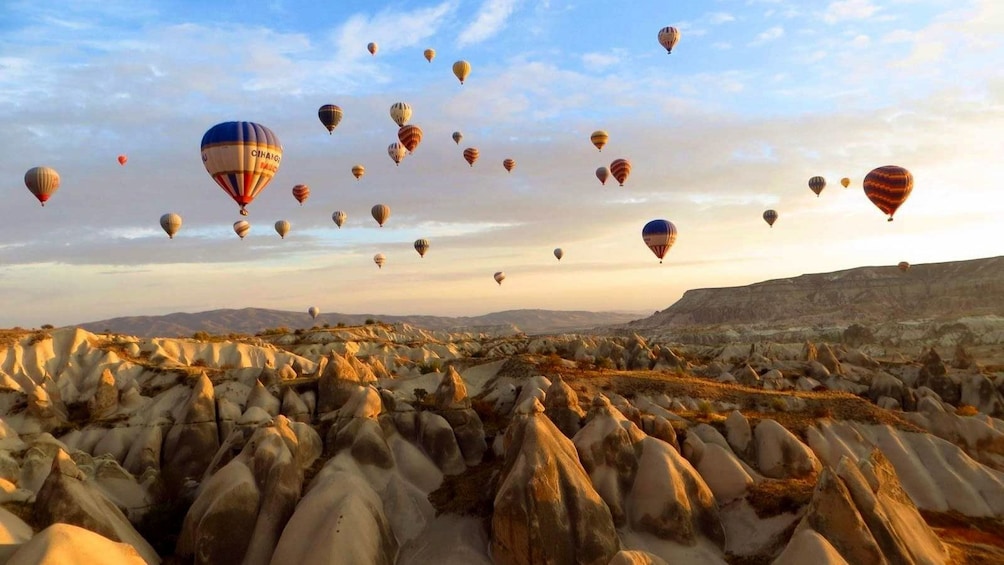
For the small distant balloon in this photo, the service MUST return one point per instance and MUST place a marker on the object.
(171, 224)
(599, 139)
(313, 311)
(301, 192)
(372, 47)
(410, 136)
(430, 54)
(379, 259)
(470, 155)
(457, 136)
(339, 218)
(888, 188)
(499, 277)
(668, 36)
(603, 174)
(282, 228)
(397, 152)
(330, 115)
(123, 159)
(659, 236)
(620, 169)
(461, 69)
(845, 181)
(509, 164)
(400, 112)
(43, 182)
(770, 216)
(558, 253)
(358, 171)
(380, 212)
(241, 228)
(421, 245)
(903, 266)
(817, 184)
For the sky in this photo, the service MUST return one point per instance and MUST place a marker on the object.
(757, 97)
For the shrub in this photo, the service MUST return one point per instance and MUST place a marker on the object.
(202, 336)
(704, 408)
(326, 326)
(429, 367)
(340, 324)
(48, 326)
(370, 321)
(420, 394)
(605, 363)
(778, 404)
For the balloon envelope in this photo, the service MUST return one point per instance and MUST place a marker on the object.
(43, 182)
(421, 245)
(380, 212)
(817, 184)
(599, 138)
(242, 157)
(659, 236)
(559, 253)
(339, 218)
(668, 36)
(358, 171)
(509, 164)
(770, 216)
(123, 159)
(330, 115)
(397, 152)
(845, 181)
(379, 259)
(410, 136)
(282, 228)
(313, 311)
(301, 192)
(603, 174)
(499, 277)
(241, 228)
(430, 54)
(171, 224)
(620, 169)
(470, 155)
(372, 47)
(400, 112)
(888, 188)
(461, 69)
(457, 136)
(903, 266)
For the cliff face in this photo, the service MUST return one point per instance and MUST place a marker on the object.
(862, 295)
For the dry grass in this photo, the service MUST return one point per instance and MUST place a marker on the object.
(970, 541)
(772, 497)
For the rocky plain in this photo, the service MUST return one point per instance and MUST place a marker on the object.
(866, 429)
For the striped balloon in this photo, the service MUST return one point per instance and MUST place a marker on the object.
(339, 218)
(599, 139)
(668, 36)
(461, 69)
(421, 245)
(171, 224)
(659, 236)
(397, 152)
(457, 136)
(903, 266)
(430, 54)
(470, 155)
(241, 228)
(282, 228)
(400, 112)
(330, 115)
(770, 216)
(817, 184)
(620, 169)
(379, 259)
(603, 174)
(43, 182)
(410, 137)
(509, 164)
(301, 192)
(242, 157)
(358, 171)
(380, 212)
(888, 188)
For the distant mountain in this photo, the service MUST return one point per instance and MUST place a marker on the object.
(253, 320)
(863, 295)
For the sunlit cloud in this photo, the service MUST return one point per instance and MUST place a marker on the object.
(491, 18)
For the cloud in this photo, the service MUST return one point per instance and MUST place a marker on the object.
(490, 19)
(391, 29)
(599, 61)
(845, 10)
(768, 35)
(717, 18)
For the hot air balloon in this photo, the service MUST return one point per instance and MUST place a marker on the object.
(620, 169)
(301, 192)
(241, 228)
(659, 236)
(430, 54)
(770, 216)
(313, 311)
(43, 182)
(372, 48)
(471, 155)
(845, 181)
(171, 224)
(421, 245)
(242, 157)
(457, 136)
(358, 171)
(123, 159)
(380, 213)
(282, 228)
(461, 69)
(410, 137)
(888, 188)
(603, 174)
(400, 112)
(817, 184)
(499, 277)
(509, 164)
(330, 115)
(397, 152)
(599, 138)
(339, 218)
(559, 253)
(903, 266)
(379, 259)
(668, 36)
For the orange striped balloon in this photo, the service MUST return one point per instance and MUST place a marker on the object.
(509, 164)
(470, 155)
(817, 184)
(888, 188)
(599, 138)
(358, 171)
(620, 169)
(410, 137)
(301, 192)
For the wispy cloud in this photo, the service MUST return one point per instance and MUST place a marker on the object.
(599, 61)
(844, 10)
(717, 18)
(768, 35)
(490, 19)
